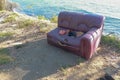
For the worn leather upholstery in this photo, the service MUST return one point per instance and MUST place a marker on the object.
(85, 45)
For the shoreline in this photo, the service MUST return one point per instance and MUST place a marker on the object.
(111, 22)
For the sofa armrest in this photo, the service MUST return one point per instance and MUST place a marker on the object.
(89, 42)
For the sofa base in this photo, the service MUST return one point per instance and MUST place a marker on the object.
(74, 50)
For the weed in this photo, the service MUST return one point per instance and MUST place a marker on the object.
(111, 41)
(11, 18)
(2, 11)
(43, 27)
(64, 71)
(2, 4)
(25, 23)
(54, 19)
(4, 56)
(5, 34)
(42, 17)
(19, 46)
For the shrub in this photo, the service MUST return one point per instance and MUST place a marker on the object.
(43, 27)
(10, 18)
(25, 23)
(6, 34)
(111, 41)
(42, 17)
(46, 27)
(4, 56)
(3, 11)
(2, 4)
(54, 19)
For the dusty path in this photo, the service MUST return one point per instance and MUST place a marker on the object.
(37, 59)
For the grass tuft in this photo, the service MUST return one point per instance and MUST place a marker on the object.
(64, 71)
(2, 11)
(43, 27)
(25, 23)
(111, 40)
(54, 19)
(19, 46)
(46, 27)
(42, 17)
(5, 34)
(4, 56)
(11, 18)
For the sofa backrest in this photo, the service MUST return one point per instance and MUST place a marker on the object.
(79, 21)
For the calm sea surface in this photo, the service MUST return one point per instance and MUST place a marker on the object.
(49, 8)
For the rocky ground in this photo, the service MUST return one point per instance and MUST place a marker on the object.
(34, 59)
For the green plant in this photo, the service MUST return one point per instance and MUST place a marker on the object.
(5, 59)
(3, 11)
(10, 18)
(54, 19)
(111, 40)
(4, 56)
(25, 23)
(6, 34)
(2, 4)
(64, 70)
(19, 46)
(42, 17)
(4, 51)
(14, 14)
(43, 27)
(46, 27)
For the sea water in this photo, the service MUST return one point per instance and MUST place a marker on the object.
(48, 8)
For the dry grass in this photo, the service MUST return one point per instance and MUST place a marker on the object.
(5, 76)
(4, 56)
(25, 23)
(54, 19)
(12, 17)
(111, 41)
(46, 26)
(5, 34)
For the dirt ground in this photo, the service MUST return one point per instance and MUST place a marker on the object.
(36, 60)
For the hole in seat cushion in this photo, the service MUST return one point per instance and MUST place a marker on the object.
(73, 41)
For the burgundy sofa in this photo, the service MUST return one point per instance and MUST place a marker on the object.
(85, 45)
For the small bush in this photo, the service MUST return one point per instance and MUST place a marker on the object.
(3, 11)
(25, 23)
(111, 41)
(46, 27)
(19, 46)
(2, 4)
(43, 27)
(10, 18)
(5, 34)
(4, 56)
(4, 51)
(5, 59)
(54, 19)
(42, 18)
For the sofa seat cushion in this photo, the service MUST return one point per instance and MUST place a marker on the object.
(68, 40)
